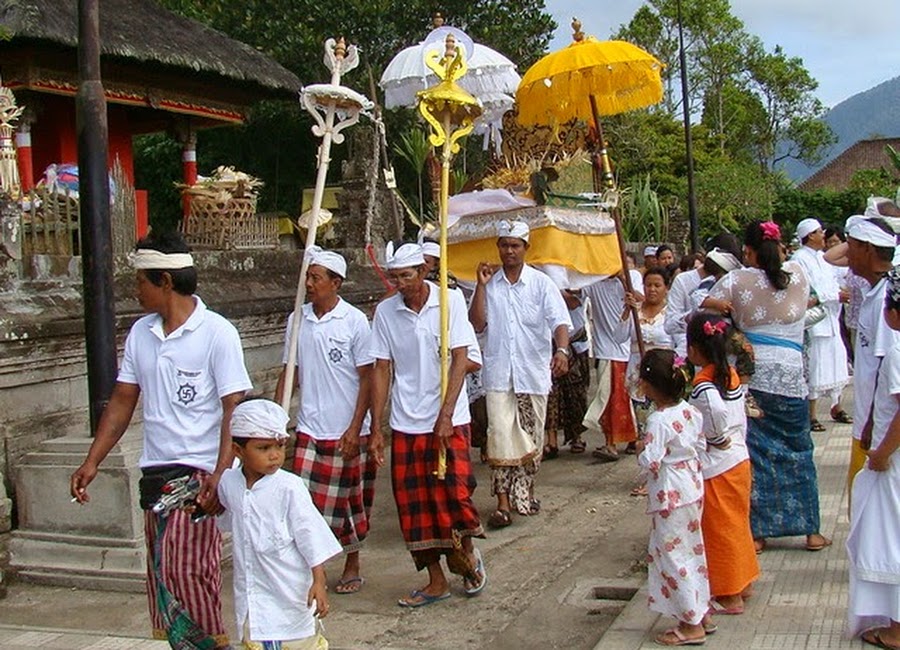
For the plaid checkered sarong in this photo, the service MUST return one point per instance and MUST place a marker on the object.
(343, 491)
(431, 509)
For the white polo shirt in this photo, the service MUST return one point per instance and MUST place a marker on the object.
(611, 334)
(412, 341)
(679, 308)
(183, 378)
(874, 339)
(329, 351)
(278, 537)
(521, 319)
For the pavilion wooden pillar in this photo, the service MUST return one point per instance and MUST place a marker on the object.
(189, 166)
(24, 158)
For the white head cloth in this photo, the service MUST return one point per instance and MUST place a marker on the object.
(862, 229)
(329, 259)
(650, 251)
(807, 226)
(517, 229)
(259, 418)
(872, 204)
(405, 256)
(431, 248)
(725, 260)
(144, 259)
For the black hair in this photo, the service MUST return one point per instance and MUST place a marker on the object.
(711, 268)
(688, 261)
(662, 248)
(725, 241)
(768, 255)
(662, 272)
(883, 253)
(184, 281)
(832, 232)
(712, 345)
(658, 369)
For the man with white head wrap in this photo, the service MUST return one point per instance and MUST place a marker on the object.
(871, 246)
(527, 325)
(279, 538)
(334, 452)
(824, 352)
(437, 517)
(187, 363)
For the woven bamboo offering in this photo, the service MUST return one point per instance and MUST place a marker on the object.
(223, 213)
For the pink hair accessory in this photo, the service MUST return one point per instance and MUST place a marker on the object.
(678, 362)
(770, 230)
(711, 329)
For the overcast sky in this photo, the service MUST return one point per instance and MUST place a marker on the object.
(847, 46)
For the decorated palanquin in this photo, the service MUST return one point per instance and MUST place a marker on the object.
(160, 71)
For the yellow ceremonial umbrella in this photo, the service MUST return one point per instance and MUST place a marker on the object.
(584, 80)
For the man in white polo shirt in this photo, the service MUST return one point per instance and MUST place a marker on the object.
(527, 325)
(437, 516)
(188, 364)
(334, 453)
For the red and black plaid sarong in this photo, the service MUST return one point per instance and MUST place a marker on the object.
(430, 509)
(343, 491)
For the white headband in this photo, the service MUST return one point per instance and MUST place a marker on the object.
(146, 259)
(329, 259)
(865, 230)
(431, 248)
(650, 251)
(807, 226)
(517, 229)
(405, 256)
(725, 260)
(259, 418)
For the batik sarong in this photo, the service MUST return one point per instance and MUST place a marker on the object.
(190, 568)
(434, 513)
(337, 486)
(784, 499)
(730, 554)
(567, 401)
(677, 582)
(515, 443)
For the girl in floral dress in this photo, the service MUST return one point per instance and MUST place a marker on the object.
(676, 560)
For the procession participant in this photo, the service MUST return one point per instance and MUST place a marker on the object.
(664, 255)
(280, 540)
(437, 516)
(826, 357)
(527, 325)
(188, 363)
(874, 607)
(567, 401)
(334, 452)
(649, 259)
(870, 249)
(610, 412)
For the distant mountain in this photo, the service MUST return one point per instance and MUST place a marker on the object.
(873, 113)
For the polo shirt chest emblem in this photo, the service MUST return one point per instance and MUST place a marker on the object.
(187, 389)
(335, 355)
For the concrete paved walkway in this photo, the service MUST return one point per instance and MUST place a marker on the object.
(800, 599)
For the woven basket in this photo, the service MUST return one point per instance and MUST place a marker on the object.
(228, 224)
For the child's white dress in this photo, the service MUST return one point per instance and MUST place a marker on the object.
(278, 536)
(676, 560)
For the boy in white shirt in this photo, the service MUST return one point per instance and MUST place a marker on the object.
(280, 540)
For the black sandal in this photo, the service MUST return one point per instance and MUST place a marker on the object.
(550, 452)
(499, 519)
(841, 416)
(815, 425)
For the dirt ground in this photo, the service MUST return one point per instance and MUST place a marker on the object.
(542, 574)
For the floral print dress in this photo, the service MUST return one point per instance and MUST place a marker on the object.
(676, 560)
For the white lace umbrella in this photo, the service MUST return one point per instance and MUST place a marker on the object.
(490, 73)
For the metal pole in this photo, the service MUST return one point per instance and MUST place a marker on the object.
(96, 236)
(688, 141)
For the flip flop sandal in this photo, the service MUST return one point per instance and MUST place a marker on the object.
(842, 417)
(499, 519)
(577, 447)
(419, 598)
(710, 628)
(604, 455)
(873, 637)
(479, 568)
(818, 547)
(817, 426)
(716, 608)
(639, 491)
(534, 506)
(680, 639)
(359, 581)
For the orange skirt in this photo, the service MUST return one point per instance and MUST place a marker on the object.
(617, 420)
(730, 555)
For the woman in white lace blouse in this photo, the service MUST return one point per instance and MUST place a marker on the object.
(768, 302)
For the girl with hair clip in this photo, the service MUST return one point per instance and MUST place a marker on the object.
(767, 300)
(670, 459)
(718, 395)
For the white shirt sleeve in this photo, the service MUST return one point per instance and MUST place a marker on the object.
(462, 334)
(654, 444)
(227, 362)
(128, 371)
(361, 343)
(675, 310)
(710, 403)
(224, 521)
(892, 360)
(556, 310)
(287, 338)
(311, 533)
(380, 346)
